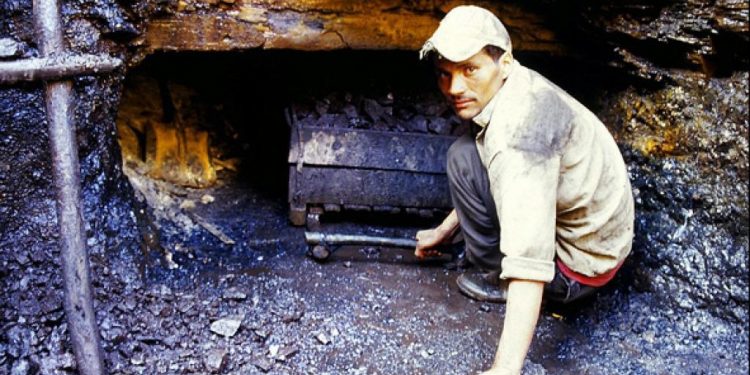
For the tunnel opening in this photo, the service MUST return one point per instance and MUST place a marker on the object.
(206, 142)
(234, 106)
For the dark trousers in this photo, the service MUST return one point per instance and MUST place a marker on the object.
(477, 215)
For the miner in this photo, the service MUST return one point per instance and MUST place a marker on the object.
(539, 188)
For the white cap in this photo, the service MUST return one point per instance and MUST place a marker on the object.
(464, 31)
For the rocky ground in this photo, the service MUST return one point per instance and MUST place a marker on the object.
(262, 306)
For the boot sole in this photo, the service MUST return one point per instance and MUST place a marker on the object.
(477, 296)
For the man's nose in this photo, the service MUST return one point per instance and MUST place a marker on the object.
(457, 86)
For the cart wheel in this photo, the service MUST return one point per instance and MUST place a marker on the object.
(320, 252)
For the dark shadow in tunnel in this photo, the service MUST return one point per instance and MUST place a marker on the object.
(249, 93)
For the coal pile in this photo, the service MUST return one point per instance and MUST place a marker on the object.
(393, 112)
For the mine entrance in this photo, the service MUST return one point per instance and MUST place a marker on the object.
(230, 148)
(206, 143)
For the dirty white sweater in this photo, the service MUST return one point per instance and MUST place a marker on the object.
(558, 180)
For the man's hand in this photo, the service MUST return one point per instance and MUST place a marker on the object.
(428, 239)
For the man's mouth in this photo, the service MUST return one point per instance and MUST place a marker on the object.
(462, 103)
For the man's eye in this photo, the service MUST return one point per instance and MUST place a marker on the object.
(471, 69)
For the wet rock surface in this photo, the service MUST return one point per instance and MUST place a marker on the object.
(688, 161)
(29, 271)
(659, 38)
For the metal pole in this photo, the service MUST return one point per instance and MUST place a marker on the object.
(55, 68)
(317, 238)
(79, 308)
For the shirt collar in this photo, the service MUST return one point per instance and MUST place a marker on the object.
(484, 117)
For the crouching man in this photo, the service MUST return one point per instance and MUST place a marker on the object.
(539, 188)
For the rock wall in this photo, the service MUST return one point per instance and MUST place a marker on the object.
(220, 25)
(689, 35)
(686, 144)
(686, 147)
(34, 338)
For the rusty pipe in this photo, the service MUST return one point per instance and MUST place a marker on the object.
(55, 68)
(78, 300)
(317, 238)
(322, 245)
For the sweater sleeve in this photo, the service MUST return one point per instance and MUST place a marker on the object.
(524, 143)
(525, 196)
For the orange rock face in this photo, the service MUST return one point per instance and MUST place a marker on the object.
(213, 25)
(162, 137)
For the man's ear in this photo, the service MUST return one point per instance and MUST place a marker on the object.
(506, 62)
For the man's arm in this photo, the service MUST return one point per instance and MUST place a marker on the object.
(521, 315)
(429, 238)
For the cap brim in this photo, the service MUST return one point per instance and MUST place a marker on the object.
(457, 50)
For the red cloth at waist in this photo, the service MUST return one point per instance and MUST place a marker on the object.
(595, 281)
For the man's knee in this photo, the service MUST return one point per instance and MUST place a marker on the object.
(461, 155)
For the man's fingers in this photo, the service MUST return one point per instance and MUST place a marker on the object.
(426, 239)
(421, 254)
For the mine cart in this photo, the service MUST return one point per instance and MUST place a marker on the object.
(390, 169)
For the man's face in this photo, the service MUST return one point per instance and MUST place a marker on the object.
(470, 84)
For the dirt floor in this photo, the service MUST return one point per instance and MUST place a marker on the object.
(262, 306)
(365, 310)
